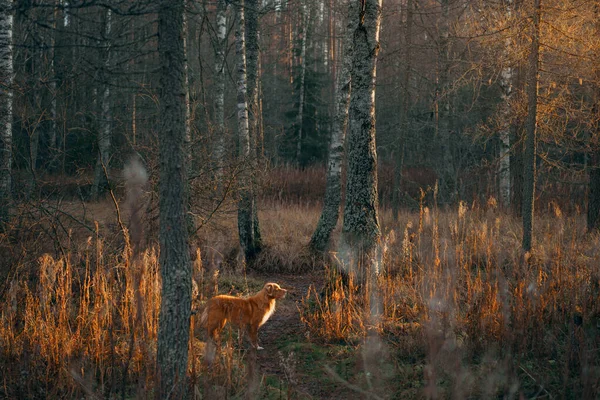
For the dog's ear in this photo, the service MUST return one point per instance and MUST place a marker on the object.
(269, 288)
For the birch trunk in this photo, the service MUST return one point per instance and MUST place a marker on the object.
(105, 128)
(220, 46)
(6, 97)
(529, 156)
(174, 319)
(399, 162)
(506, 85)
(360, 231)
(246, 219)
(300, 116)
(333, 190)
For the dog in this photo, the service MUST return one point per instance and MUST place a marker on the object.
(247, 313)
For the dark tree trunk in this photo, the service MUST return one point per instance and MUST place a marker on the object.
(399, 160)
(105, 128)
(360, 231)
(448, 191)
(593, 212)
(516, 162)
(252, 57)
(174, 320)
(529, 156)
(333, 190)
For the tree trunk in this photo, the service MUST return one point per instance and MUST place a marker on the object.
(399, 162)
(188, 111)
(53, 78)
(220, 46)
(105, 128)
(529, 157)
(593, 212)
(6, 97)
(516, 161)
(506, 85)
(360, 231)
(246, 220)
(252, 60)
(300, 116)
(174, 319)
(333, 190)
(447, 183)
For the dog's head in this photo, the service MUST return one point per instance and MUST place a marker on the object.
(274, 291)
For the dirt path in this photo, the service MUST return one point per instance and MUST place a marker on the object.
(285, 323)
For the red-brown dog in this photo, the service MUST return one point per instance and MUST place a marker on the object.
(247, 313)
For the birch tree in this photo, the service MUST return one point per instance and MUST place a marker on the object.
(6, 96)
(360, 229)
(105, 128)
(174, 319)
(219, 110)
(333, 190)
(249, 242)
(529, 156)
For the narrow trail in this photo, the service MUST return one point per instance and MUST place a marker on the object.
(285, 323)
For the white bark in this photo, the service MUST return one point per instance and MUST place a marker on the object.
(246, 221)
(6, 97)
(331, 206)
(221, 23)
(300, 116)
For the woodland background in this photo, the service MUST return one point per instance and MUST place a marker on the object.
(467, 308)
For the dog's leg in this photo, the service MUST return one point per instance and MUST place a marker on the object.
(253, 333)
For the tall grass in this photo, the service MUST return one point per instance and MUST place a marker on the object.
(82, 324)
(487, 320)
(456, 311)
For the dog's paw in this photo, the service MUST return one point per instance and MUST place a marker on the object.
(259, 348)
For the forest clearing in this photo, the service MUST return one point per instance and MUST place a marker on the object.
(405, 193)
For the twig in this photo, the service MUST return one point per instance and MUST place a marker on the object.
(542, 388)
(114, 199)
(350, 386)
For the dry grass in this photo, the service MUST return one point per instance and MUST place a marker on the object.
(488, 321)
(456, 311)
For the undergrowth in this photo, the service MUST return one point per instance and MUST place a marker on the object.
(456, 311)
(456, 295)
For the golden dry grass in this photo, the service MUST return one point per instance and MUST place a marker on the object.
(456, 306)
